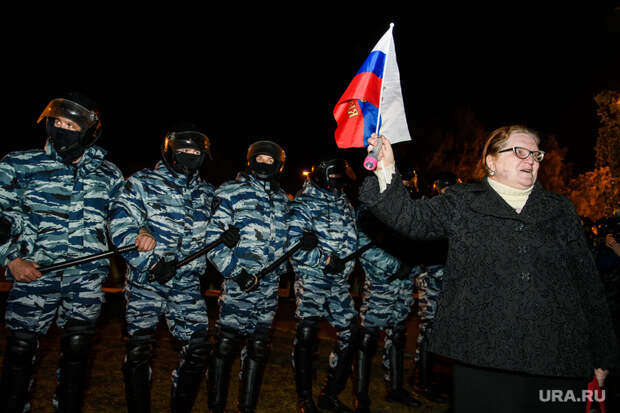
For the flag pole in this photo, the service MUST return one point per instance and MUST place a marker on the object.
(387, 56)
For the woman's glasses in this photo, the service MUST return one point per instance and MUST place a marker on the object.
(523, 153)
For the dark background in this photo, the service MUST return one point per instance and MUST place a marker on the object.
(249, 72)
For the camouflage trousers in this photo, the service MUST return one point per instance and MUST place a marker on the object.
(384, 305)
(249, 312)
(185, 310)
(33, 306)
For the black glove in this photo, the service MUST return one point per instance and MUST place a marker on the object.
(309, 241)
(247, 282)
(163, 271)
(335, 265)
(5, 230)
(230, 236)
(402, 273)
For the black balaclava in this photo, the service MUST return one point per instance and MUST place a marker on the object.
(67, 143)
(186, 163)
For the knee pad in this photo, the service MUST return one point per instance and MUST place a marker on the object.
(20, 347)
(139, 347)
(368, 338)
(307, 330)
(76, 339)
(399, 335)
(258, 347)
(226, 343)
(198, 349)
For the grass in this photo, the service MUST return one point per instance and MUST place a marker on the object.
(105, 389)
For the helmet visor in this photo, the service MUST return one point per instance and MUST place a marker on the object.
(188, 139)
(70, 110)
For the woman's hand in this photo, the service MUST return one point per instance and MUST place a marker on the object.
(386, 156)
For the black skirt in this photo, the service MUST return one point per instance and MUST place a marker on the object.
(479, 389)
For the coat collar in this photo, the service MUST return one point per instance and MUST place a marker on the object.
(541, 204)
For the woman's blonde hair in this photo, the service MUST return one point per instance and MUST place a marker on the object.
(498, 138)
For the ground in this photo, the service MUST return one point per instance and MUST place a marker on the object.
(105, 390)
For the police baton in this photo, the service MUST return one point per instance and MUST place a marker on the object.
(357, 253)
(200, 252)
(84, 260)
(277, 262)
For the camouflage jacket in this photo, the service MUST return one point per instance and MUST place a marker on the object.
(332, 219)
(261, 214)
(58, 212)
(174, 212)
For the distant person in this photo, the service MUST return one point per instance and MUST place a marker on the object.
(54, 204)
(387, 299)
(164, 212)
(321, 286)
(522, 308)
(256, 204)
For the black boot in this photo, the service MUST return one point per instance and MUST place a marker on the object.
(190, 372)
(422, 380)
(338, 375)
(137, 372)
(75, 345)
(252, 372)
(218, 376)
(305, 348)
(361, 370)
(17, 370)
(396, 392)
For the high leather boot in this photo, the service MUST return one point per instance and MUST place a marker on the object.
(75, 345)
(218, 377)
(191, 372)
(17, 370)
(338, 375)
(305, 348)
(396, 392)
(252, 372)
(137, 371)
(361, 370)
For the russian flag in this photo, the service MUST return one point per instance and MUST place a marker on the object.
(364, 104)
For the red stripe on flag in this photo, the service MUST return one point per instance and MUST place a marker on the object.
(364, 86)
(350, 130)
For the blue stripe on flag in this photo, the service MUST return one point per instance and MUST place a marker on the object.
(374, 63)
(370, 112)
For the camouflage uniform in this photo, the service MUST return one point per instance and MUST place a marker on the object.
(175, 213)
(319, 294)
(58, 212)
(260, 212)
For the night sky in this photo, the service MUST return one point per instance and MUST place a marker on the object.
(275, 72)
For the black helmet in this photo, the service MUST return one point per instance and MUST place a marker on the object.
(443, 180)
(266, 148)
(185, 136)
(332, 174)
(79, 108)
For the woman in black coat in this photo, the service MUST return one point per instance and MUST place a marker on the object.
(522, 311)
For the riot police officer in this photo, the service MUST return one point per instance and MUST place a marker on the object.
(254, 203)
(321, 284)
(164, 211)
(55, 206)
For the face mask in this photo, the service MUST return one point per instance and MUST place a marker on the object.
(264, 170)
(186, 163)
(66, 143)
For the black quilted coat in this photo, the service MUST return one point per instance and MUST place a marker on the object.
(521, 291)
